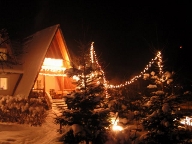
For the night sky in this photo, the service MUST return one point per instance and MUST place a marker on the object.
(126, 34)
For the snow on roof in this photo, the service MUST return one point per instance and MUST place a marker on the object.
(35, 50)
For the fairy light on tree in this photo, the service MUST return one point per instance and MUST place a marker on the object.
(157, 59)
(92, 53)
(94, 60)
(86, 106)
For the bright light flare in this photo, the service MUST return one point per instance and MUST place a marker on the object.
(76, 78)
(116, 127)
(186, 121)
(52, 67)
(53, 62)
(50, 64)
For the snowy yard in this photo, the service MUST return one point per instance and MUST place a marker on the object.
(15, 133)
(12, 133)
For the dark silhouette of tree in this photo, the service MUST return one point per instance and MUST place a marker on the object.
(87, 112)
(8, 55)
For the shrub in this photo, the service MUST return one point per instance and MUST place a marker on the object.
(17, 109)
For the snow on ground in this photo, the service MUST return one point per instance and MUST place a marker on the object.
(12, 133)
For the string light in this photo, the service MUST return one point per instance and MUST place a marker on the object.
(94, 60)
(52, 67)
(157, 58)
(92, 53)
(53, 74)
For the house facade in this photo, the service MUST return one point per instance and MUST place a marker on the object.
(40, 66)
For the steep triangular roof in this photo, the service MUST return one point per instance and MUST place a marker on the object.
(35, 48)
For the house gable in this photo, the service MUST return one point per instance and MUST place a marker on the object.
(48, 42)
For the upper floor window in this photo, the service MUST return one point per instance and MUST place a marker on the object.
(3, 83)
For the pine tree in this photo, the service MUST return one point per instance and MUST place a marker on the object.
(87, 113)
(161, 115)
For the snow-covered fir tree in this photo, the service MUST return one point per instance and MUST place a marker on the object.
(161, 117)
(87, 114)
(153, 102)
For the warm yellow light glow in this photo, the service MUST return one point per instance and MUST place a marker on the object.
(186, 121)
(92, 53)
(76, 78)
(53, 62)
(52, 67)
(3, 83)
(116, 127)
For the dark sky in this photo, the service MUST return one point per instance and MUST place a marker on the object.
(126, 34)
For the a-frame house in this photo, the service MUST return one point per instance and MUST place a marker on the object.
(44, 58)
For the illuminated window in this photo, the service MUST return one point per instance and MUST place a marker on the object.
(3, 83)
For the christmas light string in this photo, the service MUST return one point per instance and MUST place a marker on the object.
(158, 59)
(52, 67)
(94, 59)
(92, 53)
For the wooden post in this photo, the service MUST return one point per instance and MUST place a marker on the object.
(43, 85)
